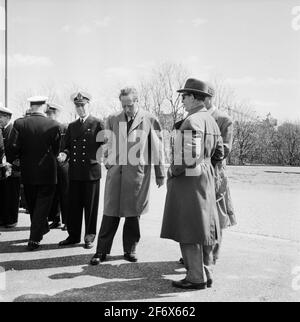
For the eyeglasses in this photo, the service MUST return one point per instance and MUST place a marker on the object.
(185, 95)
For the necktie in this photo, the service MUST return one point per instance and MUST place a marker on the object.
(129, 123)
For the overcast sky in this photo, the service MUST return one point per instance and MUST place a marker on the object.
(100, 45)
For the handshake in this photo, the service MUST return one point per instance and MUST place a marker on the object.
(5, 169)
(62, 157)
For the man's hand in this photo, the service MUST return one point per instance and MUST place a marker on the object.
(160, 182)
(62, 157)
(8, 169)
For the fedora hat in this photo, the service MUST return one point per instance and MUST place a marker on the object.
(193, 85)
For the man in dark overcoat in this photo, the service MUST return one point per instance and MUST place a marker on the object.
(190, 215)
(35, 140)
(81, 148)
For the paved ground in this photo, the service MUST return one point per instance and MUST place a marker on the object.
(252, 268)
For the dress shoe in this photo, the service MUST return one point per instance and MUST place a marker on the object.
(209, 283)
(98, 258)
(68, 242)
(130, 257)
(55, 225)
(184, 284)
(32, 245)
(88, 245)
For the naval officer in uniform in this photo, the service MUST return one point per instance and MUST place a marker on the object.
(36, 141)
(81, 149)
(60, 205)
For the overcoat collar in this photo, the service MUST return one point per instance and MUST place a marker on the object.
(137, 120)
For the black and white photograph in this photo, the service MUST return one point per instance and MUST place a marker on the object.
(149, 153)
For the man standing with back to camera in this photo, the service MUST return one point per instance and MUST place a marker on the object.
(36, 140)
(81, 149)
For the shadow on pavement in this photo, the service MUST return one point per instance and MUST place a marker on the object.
(136, 281)
(13, 247)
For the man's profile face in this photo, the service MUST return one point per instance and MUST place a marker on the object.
(129, 105)
(82, 109)
(188, 101)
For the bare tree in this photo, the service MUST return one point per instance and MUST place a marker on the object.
(245, 133)
(224, 96)
(159, 94)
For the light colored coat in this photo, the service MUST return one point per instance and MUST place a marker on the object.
(190, 214)
(224, 202)
(127, 185)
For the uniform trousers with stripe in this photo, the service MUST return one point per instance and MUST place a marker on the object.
(83, 198)
(109, 226)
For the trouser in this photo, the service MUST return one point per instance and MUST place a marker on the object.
(39, 200)
(83, 196)
(10, 199)
(60, 203)
(109, 226)
(198, 260)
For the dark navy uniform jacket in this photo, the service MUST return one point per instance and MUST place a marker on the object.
(81, 146)
(35, 140)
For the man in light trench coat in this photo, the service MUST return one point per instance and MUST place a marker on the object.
(224, 203)
(190, 215)
(134, 143)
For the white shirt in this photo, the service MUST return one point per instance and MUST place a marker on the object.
(82, 120)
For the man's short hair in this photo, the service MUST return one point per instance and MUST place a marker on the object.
(129, 91)
(199, 96)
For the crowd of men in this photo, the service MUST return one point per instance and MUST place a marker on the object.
(59, 168)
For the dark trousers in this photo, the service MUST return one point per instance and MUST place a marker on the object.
(60, 203)
(109, 226)
(39, 200)
(83, 196)
(10, 199)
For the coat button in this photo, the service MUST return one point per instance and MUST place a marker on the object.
(74, 146)
(83, 153)
(83, 161)
(83, 147)
(74, 160)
